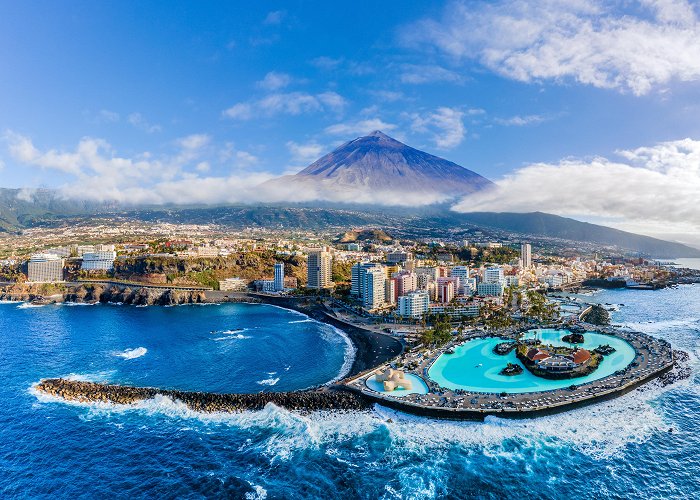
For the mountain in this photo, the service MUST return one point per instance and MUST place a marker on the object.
(379, 169)
(553, 226)
(21, 208)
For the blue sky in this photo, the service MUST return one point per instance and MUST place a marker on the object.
(213, 97)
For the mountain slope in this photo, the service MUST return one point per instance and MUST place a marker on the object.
(21, 208)
(381, 170)
(46, 207)
(542, 224)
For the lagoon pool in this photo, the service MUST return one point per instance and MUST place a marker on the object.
(475, 367)
(419, 386)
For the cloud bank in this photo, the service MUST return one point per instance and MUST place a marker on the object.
(654, 187)
(628, 46)
(650, 189)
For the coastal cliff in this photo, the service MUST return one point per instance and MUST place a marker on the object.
(91, 293)
(313, 400)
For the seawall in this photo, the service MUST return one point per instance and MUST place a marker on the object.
(314, 400)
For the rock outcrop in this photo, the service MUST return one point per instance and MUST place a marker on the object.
(101, 293)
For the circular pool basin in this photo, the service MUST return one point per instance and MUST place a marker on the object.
(475, 367)
(419, 386)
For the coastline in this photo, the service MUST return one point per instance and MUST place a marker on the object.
(373, 351)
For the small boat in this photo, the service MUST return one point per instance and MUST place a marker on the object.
(479, 365)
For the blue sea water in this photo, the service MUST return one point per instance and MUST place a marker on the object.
(51, 449)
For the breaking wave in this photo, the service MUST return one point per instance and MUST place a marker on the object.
(131, 353)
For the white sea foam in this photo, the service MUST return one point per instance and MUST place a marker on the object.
(349, 354)
(652, 327)
(8, 302)
(131, 353)
(258, 493)
(601, 430)
(269, 381)
(29, 305)
(307, 320)
(74, 304)
(233, 335)
(233, 332)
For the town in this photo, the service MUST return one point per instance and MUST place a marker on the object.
(368, 275)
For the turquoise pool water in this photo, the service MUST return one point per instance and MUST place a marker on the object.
(474, 366)
(419, 386)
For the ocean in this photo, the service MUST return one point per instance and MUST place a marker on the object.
(643, 444)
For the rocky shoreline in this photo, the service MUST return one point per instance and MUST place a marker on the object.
(98, 293)
(303, 401)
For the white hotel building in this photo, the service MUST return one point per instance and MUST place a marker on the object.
(45, 268)
(414, 304)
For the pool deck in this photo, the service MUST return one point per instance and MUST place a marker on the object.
(653, 358)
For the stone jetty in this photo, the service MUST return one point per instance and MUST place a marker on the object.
(302, 401)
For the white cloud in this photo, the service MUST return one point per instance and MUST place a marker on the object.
(100, 174)
(444, 123)
(245, 159)
(656, 187)
(106, 115)
(240, 111)
(194, 141)
(26, 194)
(274, 18)
(521, 120)
(305, 152)
(613, 45)
(274, 81)
(291, 103)
(327, 63)
(139, 122)
(361, 127)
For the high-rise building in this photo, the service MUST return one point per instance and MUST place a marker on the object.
(45, 268)
(405, 282)
(414, 305)
(426, 275)
(374, 288)
(358, 272)
(526, 255)
(494, 275)
(390, 295)
(489, 289)
(456, 284)
(446, 292)
(319, 271)
(279, 276)
(462, 273)
(102, 260)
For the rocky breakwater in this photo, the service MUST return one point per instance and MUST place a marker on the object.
(303, 401)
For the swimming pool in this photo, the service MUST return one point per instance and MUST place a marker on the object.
(419, 386)
(475, 367)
